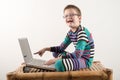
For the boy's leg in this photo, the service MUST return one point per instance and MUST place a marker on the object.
(59, 65)
(69, 64)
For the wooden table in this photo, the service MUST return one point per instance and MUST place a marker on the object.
(96, 72)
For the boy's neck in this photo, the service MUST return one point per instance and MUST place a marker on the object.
(74, 29)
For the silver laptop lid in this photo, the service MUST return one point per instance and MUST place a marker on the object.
(25, 48)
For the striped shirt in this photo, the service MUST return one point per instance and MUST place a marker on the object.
(84, 49)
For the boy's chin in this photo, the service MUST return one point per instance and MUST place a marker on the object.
(72, 26)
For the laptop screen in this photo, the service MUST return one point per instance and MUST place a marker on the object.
(25, 48)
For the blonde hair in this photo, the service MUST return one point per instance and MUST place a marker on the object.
(73, 7)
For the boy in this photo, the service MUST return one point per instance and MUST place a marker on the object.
(82, 57)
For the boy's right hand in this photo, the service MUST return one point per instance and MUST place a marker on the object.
(41, 52)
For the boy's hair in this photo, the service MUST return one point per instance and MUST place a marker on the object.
(73, 7)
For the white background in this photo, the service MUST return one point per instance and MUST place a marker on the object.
(42, 23)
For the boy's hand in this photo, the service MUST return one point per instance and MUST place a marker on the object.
(41, 52)
(51, 61)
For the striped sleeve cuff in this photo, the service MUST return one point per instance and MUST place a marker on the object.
(52, 49)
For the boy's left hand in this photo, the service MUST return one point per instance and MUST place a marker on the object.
(51, 61)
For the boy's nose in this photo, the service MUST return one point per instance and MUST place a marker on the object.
(69, 16)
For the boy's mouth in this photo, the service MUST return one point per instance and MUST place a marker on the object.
(69, 21)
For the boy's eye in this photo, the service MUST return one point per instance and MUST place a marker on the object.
(70, 15)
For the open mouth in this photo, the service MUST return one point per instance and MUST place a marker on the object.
(69, 21)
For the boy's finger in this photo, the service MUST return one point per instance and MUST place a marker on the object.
(40, 55)
(46, 63)
(36, 53)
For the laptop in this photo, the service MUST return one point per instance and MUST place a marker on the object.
(28, 58)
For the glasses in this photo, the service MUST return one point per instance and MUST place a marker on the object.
(71, 15)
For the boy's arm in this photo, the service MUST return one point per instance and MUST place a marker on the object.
(82, 40)
(56, 49)
(62, 47)
(78, 50)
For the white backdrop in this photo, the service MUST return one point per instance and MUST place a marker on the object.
(42, 23)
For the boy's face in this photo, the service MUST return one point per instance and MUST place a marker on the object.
(72, 18)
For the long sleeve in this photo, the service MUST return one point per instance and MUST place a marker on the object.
(79, 49)
(62, 47)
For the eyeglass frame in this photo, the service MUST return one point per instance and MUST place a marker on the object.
(71, 15)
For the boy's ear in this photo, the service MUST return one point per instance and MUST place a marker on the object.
(80, 18)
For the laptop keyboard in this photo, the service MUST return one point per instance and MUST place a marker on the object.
(40, 63)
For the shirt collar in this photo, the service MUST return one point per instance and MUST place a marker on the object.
(78, 29)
